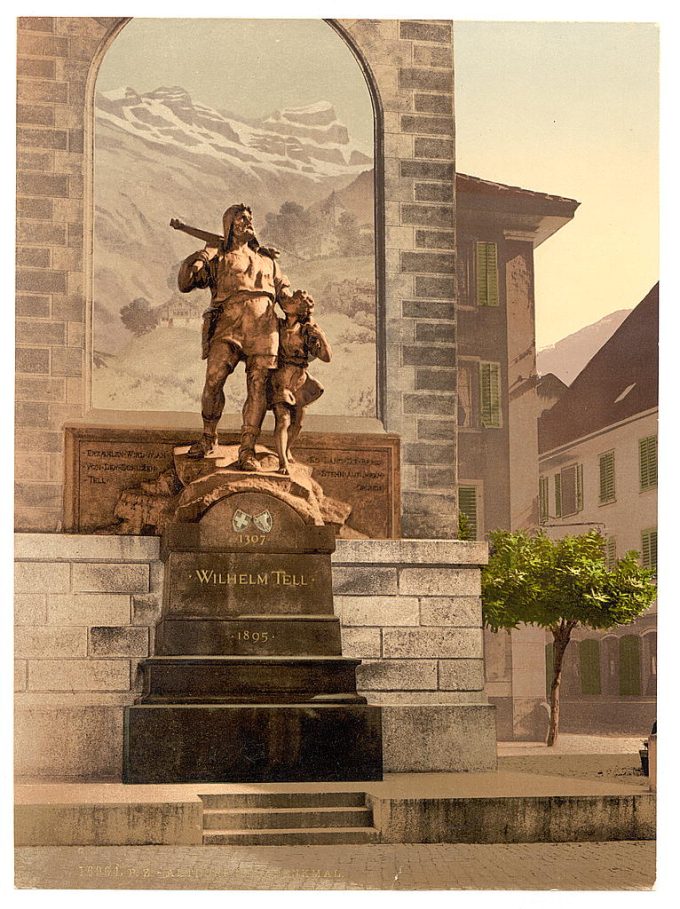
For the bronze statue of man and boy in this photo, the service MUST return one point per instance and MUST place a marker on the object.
(242, 324)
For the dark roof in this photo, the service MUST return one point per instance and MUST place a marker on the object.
(550, 386)
(621, 380)
(545, 203)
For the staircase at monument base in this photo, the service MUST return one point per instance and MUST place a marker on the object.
(287, 819)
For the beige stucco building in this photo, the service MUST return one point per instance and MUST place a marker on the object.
(499, 227)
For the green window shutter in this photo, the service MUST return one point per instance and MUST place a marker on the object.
(607, 482)
(490, 395)
(486, 268)
(558, 495)
(648, 462)
(463, 266)
(649, 549)
(467, 505)
(589, 666)
(610, 552)
(543, 508)
(571, 489)
(549, 668)
(629, 665)
(491, 274)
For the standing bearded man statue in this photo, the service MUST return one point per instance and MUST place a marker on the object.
(241, 324)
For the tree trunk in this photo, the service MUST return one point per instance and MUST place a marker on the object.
(561, 637)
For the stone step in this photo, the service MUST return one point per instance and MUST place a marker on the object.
(258, 818)
(252, 635)
(249, 679)
(284, 800)
(297, 836)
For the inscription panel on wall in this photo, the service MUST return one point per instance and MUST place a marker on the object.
(223, 584)
(104, 462)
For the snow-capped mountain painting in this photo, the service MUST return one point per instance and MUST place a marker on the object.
(162, 154)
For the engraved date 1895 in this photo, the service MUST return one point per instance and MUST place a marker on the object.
(257, 637)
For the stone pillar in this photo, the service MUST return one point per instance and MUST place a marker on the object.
(412, 65)
(54, 62)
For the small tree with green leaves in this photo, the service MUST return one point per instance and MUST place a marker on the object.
(557, 585)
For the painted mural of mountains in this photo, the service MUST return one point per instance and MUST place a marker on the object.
(160, 155)
(307, 141)
(567, 357)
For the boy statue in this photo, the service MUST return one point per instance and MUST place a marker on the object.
(291, 389)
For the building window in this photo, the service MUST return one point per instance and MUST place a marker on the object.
(648, 548)
(648, 469)
(589, 666)
(467, 411)
(549, 668)
(467, 507)
(629, 665)
(610, 552)
(543, 506)
(463, 277)
(490, 395)
(569, 491)
(486, 271)
(607, 479)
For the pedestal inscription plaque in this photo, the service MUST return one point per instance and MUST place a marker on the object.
(248, 681)
(102, 462)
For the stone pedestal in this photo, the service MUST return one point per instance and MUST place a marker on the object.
(248, 681)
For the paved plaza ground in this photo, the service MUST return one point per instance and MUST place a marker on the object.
(626, 865)
(551, 866)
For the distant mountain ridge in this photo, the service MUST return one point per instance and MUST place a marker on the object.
(160, 154)
(308, 139)
(568, 357)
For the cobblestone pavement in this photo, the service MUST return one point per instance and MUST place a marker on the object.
(552, 866)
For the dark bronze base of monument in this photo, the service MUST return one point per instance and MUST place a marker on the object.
(252, 743)
(248, 682)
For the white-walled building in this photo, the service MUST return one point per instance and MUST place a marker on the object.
(598, 469)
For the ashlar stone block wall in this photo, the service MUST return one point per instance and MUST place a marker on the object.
(409, 65)
(413, 616)
(85, 612)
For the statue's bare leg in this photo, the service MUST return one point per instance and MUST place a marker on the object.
(295, 428)
(222, 360)
(253, 414)
(283, 418)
